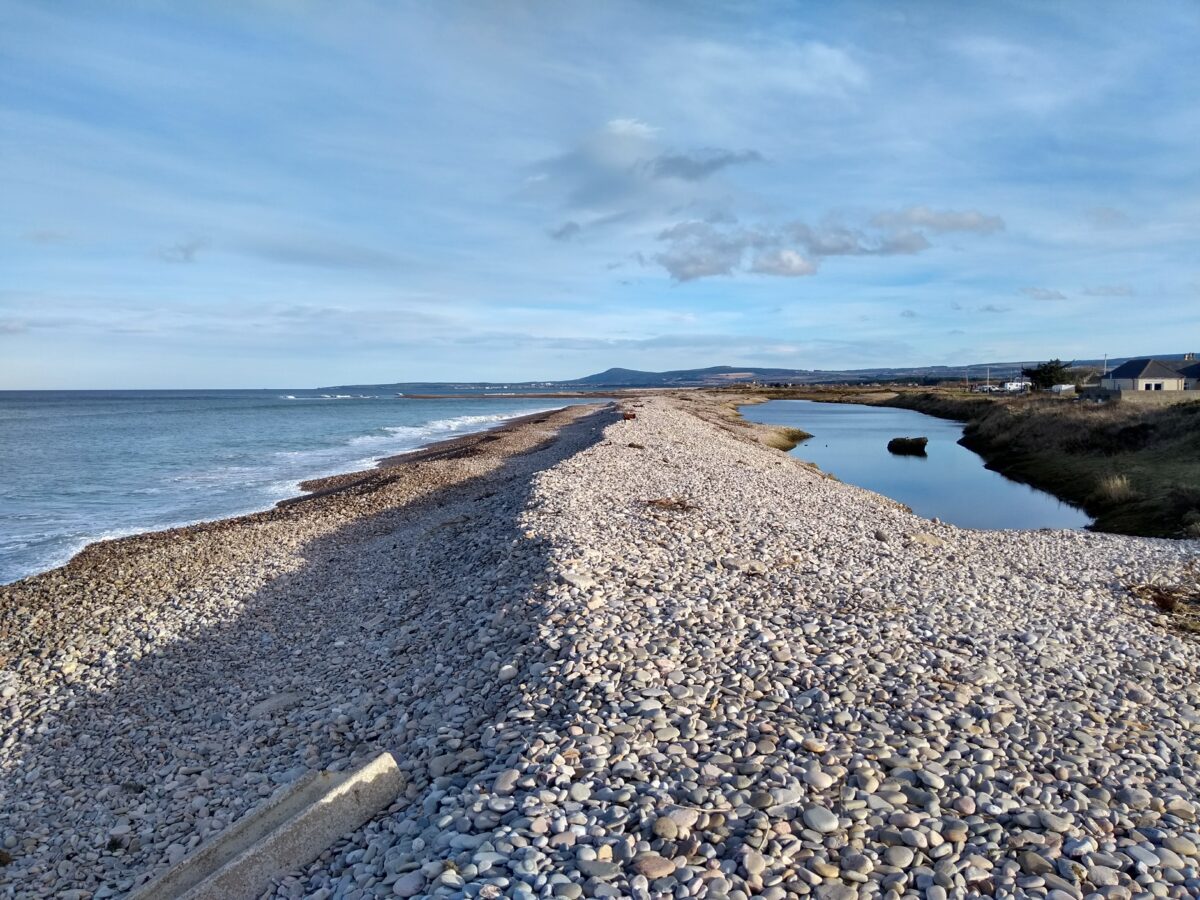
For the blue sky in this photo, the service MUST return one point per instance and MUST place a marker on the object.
(290, 194)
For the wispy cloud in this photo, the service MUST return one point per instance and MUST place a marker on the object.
(46, 236)
(926, 219)
(565, 231)
(1106, 217)
(1041, 293)
(700, 164)
(1109, 290)
(183, 251)
(564, 190)
(318, 252)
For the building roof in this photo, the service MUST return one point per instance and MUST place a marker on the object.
(1192, 370)
(1144, 368)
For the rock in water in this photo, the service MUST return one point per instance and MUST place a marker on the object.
(908, 446)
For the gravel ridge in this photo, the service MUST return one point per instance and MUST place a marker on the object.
(775, 685)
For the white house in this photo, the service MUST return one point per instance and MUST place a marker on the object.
(1146, 375)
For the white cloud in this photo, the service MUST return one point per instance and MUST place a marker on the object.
(632, 128)
(723, 70)
(784, 263)
(702, 248)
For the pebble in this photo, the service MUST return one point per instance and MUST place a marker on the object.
(739, 692)
(818, 818)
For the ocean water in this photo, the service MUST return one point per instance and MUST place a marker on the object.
(79, 466)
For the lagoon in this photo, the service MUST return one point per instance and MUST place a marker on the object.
(950, 483)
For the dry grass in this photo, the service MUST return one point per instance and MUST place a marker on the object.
(1114, 489)
(786, 438)
(1135, 469)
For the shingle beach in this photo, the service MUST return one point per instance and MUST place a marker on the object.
(613, 658)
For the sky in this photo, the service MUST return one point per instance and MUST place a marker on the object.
(294, 194)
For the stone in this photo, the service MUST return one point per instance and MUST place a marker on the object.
(506, 781)
(820, 819)
(653, 866)
(409, 885)
(601, 870)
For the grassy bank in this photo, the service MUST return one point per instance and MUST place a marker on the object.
(1135, 470)
(786, 438)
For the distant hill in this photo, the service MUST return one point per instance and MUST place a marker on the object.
(714, 375)
(719, 375)
(711, 375)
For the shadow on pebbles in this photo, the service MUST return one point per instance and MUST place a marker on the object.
(781, 686)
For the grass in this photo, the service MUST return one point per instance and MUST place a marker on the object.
(1114, 489)
(1134, 469)
(786, 438)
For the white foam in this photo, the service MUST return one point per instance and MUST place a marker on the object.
(258, 487)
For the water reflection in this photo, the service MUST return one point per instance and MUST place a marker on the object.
(949, 482)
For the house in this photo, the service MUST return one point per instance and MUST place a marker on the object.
(1191, 374)
(1146, 375)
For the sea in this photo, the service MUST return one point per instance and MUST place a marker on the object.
(83, 466)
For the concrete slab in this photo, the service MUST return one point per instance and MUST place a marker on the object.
(287, 832)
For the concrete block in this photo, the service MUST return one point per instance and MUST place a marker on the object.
(289, 831)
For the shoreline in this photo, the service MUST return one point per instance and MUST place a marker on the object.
(962, 441)
(557, 625)
(1075, 453)
(308, 489)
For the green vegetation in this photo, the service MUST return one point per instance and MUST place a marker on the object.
(1050, 373)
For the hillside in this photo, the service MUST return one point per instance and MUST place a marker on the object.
(717, 375)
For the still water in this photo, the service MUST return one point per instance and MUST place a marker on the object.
(949, 483)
